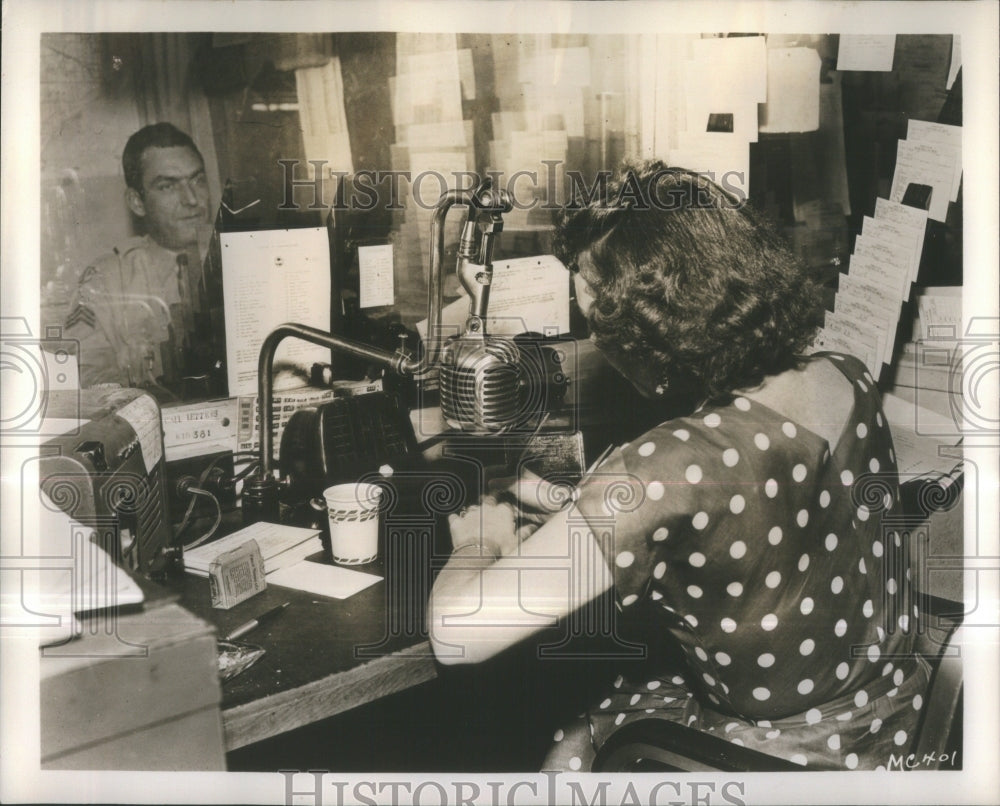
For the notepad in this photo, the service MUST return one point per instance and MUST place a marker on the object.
(324, 580)
(280, 546)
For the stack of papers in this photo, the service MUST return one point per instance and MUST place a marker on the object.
(280, 546)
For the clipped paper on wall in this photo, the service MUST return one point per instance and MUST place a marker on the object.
(792, 91)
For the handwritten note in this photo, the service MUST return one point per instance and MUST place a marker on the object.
(376, 272)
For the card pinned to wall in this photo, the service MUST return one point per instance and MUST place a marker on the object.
(793, 91)
(375, 268)
(872, 52)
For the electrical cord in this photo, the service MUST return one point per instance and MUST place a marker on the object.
(218, 516)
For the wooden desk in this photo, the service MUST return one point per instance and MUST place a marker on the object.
(322, 656)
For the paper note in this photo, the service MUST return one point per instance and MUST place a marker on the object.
(272, 277)
(941, 134)
(793, 91)
(323, 580)
(905, 219)
(902, 239)
(940, 313)
(923, 163)
(376, 273)
(956, 61)
(528, 294)
(872, 52)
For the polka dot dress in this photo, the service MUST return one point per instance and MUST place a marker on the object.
(762, 551)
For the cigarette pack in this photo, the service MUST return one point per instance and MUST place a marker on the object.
(236, 575)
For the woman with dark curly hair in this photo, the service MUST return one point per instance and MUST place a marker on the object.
(748, 530)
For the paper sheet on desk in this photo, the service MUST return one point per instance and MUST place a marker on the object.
(324, 580)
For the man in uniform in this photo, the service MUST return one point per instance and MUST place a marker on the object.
(137, 310)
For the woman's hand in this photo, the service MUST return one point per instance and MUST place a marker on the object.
(490, 525)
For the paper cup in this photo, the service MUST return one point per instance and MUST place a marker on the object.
(352, 510)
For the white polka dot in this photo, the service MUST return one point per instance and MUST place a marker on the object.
(770, 488)
(841, 671)
(877, 548)
(712, 420)
(847, 716)
(861, 566)
(655, 490)
(813, 716)
(861, 698)
(789, 429)
(575, 763)
(772, 734)
(831, 542)
(670, 699)
(807, 646)
(861, 385)
(761, 693)
(737, 741)
(873, 465)
(693, 718)
(763, 723)
(766, 660)
(895, 535)
(700, 520)
(824, 499)
(730, 457)
(861, 430)
(803, 562)
(802, 518)
(737, 504)
(682, 434)
(773, 579)
(694, 591)
(900, 738)
(660, 570)
(693, 474)
(742, 404)
(655, 596)
(847, 478)
(851, 761)
(653, 685)
(661, 534)
(863, 513)
(886, 669)
(833, 742)
(708, 679)
(618, 683)
(677, 680)
(774, 536)
(734, 589)
(769, 622)
(890, 586)
(731, 726)
(722, 659)
(619, 719)
(697, 559)
(738, 549)
(558, 735)
(605, 703)
(799, 472)
(806, 606)
(799, 759)
(805, 686)
(874, 653)
(880, 632)
(840, 628)
(837, 584)
(892, 455)
(632, 598)
(728, 625)
(867, 608)
(690, 619)
(904, 622)
(892, 692)
(876, 725)
(918, 702)
(647, 448)
(761, 441)
(898, 677)
(625, 559)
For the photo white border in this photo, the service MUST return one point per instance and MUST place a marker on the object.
(976, 22)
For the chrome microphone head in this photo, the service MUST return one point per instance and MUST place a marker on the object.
(481, 380)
